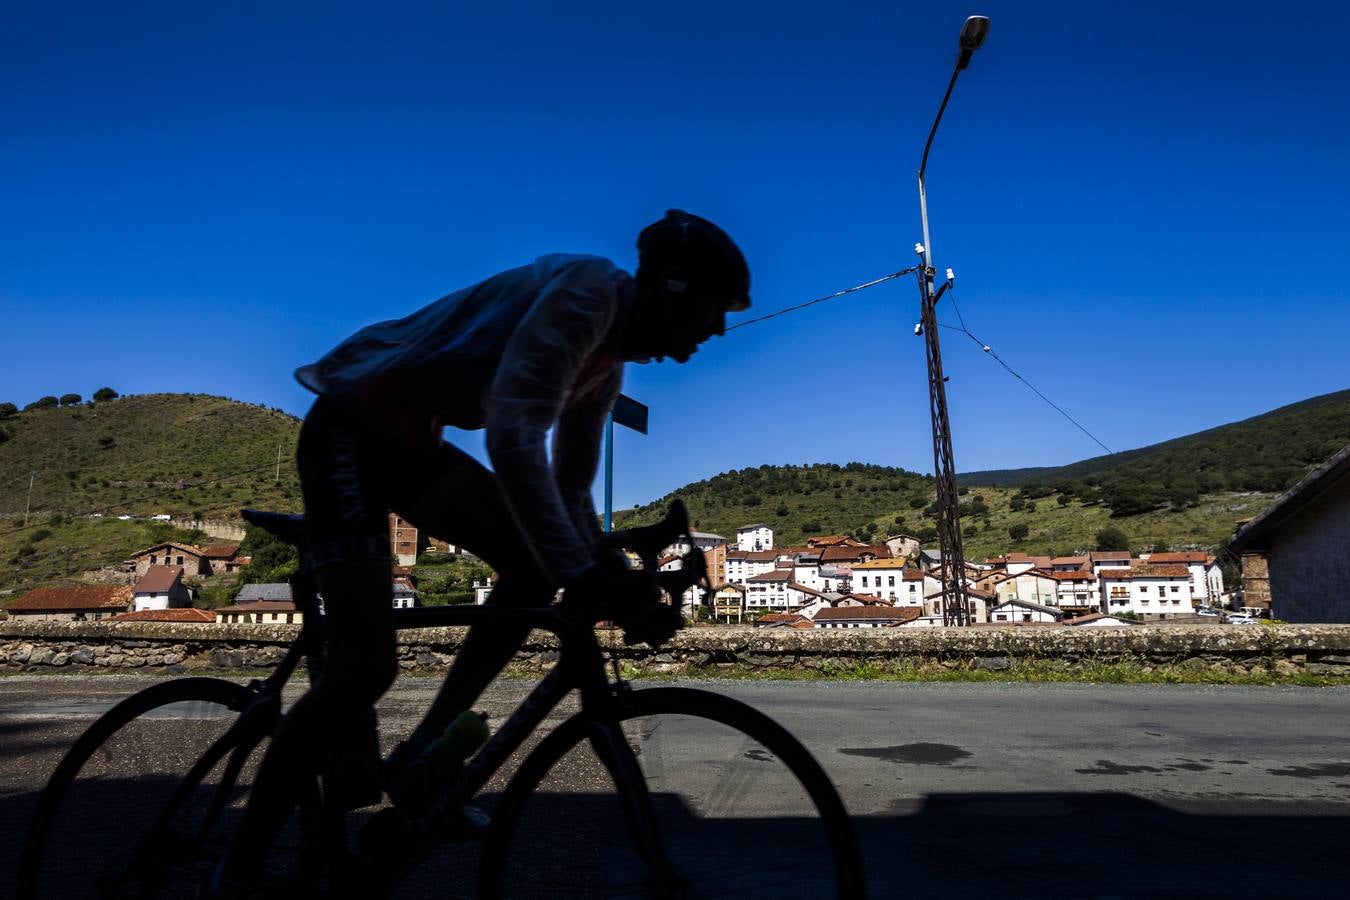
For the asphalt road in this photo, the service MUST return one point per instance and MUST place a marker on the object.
(956, 789)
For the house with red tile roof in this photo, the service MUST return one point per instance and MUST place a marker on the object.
(865, 616)
(1023, 611)
(161, 587)
(78, 603)
(1149, 591)
(181, 616)
(225, 559)
(171, 553)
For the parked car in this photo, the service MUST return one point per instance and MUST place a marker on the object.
(1241, 619)
(1207, 611)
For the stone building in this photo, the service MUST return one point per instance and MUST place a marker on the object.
(170, 553)
(1303, 543)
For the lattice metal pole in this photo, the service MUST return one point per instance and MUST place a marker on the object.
(955, 603)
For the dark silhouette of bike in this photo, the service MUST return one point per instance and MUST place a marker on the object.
(659, 791)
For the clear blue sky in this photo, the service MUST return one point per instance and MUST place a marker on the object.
(1145, 204)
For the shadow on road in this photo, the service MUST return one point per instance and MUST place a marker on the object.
(951, 845)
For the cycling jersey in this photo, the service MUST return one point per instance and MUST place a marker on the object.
(519, 353)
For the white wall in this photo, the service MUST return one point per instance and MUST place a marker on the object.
(755, 539)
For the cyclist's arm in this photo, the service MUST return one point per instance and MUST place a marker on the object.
(577, 444)
(540, 363)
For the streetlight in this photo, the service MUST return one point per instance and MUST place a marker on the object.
(955, 606)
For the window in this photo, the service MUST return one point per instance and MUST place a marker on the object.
(1175, 588)
(891, 582)
(864, 584)
(152, 559)
(1143, 589)
(180, 560)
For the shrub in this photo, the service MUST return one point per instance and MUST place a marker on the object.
(106, 441)
(782, 510)
(71, 399)
(40, 535)
(810, 527)
(47, 402)
(1016, 503)
(1062, 499)
(1019, 531)
(7, 410)
(1112, 538)
(104, 393)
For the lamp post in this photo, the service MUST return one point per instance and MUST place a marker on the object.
(955, 605)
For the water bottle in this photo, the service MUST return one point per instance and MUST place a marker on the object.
(423, 779)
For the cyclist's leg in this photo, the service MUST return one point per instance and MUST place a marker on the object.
(465, 505)
(347, 545)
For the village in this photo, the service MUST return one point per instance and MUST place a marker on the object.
(829, 582)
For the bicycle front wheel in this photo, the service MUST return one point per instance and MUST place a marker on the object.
(134, 807)
(741, 807)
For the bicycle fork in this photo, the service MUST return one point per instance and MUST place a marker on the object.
(610, 745)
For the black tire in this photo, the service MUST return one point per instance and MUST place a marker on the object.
(122, 779)
(820, 823)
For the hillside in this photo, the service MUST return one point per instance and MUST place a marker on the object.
(1183, 493)
(868, 510)
(1267, 453)
(188, 455)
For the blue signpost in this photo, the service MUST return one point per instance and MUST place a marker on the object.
(630, 414)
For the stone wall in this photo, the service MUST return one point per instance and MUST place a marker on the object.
(1284, 650)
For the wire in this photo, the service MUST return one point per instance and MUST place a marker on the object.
(851, 290)
(951, 293)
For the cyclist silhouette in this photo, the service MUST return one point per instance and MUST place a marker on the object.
(533, 349)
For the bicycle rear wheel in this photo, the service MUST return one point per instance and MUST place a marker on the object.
(139, 805)
(743, 810)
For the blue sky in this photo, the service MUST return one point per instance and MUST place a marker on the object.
(1145, 205)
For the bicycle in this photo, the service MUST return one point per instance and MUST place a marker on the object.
(653, 849)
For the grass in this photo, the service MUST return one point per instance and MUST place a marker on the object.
(71, 546)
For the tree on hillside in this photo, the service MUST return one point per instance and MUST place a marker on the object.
(1019, 531)
(7, 410)
(47, 402)
(71, 399)
(104, 393)
(1112, 538)
(273, 559)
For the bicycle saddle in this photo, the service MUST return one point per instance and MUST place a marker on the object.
(290, 527)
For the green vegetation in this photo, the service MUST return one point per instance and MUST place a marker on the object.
(855, 499)
(1112, 538)
(149, 454)
(447, 580)
(1266, 454)
(62, 548)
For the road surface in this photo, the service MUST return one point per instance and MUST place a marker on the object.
(956, 789)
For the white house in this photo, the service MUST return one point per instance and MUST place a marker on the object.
(742, 565)
(1206, 576)
(1109, 559)
(1149, 591)
(1028, 584)
(160, 588)
(1024, 612)
(806, 570)
(1097, 620)
(863, 617)
(890, 580)
(754, 537)
(405, 596)
(1077, 591)
(777, 590)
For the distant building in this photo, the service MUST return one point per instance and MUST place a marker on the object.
(754, 537)
(1296, 551)
(1148, 591)
(402, 540)
(81, 603)
(161, 587)
(865, 616)
(190, 559)
(179, 616)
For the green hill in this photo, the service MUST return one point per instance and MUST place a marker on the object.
(1183, 493)
(1268, 452)
(186, 455)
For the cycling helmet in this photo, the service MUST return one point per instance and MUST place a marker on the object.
(691, 254)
